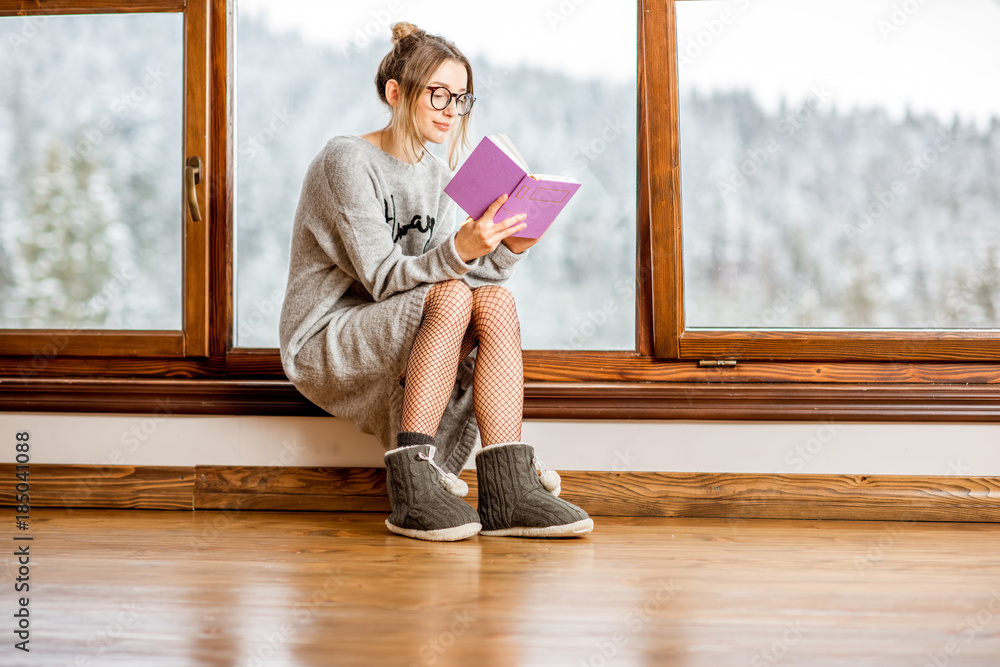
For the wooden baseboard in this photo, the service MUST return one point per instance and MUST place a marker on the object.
(112, 487)
(601, 493)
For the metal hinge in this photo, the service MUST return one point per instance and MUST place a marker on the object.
(712, 363)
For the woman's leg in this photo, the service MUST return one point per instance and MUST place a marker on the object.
(514, 498)
(423, 506)
(434, 358)
(498, 385)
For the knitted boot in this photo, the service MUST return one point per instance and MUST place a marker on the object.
(425, 499)
(513, 500)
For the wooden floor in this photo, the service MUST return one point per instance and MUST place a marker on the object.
(166, 588)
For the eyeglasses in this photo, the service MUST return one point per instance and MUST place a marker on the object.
(441, 98)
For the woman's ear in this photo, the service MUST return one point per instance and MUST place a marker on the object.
(392, 92)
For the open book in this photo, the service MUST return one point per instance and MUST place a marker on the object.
(494, 168)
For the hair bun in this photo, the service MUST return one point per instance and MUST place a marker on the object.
(403, 30)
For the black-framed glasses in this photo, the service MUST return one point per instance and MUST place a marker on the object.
(441, 98)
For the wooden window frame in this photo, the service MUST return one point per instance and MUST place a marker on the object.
(785, 375)
(28, 349)
(672, 340)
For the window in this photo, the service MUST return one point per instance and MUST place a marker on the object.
(93, 136)
(835, 204)
(305, 73)
(851, 192)
(213, 350)
(100, 256)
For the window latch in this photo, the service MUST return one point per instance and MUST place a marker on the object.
(712, 363)
(192, 176)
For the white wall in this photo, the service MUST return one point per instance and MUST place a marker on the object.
(750, 447)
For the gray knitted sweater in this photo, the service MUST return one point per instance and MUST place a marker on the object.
(371, 235)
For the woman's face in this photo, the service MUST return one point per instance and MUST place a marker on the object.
(433, 124)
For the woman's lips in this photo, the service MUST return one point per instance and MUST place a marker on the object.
(442, 126)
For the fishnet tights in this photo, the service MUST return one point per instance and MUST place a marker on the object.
(457, 319)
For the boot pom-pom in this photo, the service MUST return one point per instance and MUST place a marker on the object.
(551, 481)
(455, 486)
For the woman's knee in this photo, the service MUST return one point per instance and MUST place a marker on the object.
(492, 294)
(493, 302)
(450, 298)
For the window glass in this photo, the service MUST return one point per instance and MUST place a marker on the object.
(840, 163)
(90, 171)
(559, 80)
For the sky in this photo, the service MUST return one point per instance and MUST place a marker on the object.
(938, 56)
(585, 38)
(941, 56)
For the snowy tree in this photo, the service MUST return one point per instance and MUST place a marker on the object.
(68, 246)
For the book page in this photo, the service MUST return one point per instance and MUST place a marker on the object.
(507, 146)
(548, 177)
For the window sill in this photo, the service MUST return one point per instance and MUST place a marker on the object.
(737, 401)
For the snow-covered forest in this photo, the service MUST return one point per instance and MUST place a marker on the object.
(843, 218)
(813, 217)
(90, 176)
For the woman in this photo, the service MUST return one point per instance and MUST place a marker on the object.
(386, 304)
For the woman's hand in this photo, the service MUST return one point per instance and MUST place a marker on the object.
(517, 244)
(480, 237)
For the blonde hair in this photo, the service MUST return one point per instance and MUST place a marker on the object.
(414, 58)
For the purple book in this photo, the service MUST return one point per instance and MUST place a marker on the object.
(495, 168)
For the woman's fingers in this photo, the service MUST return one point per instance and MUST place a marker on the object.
(495, 206)
(492, 232)
(514, 224)
(498, 231)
